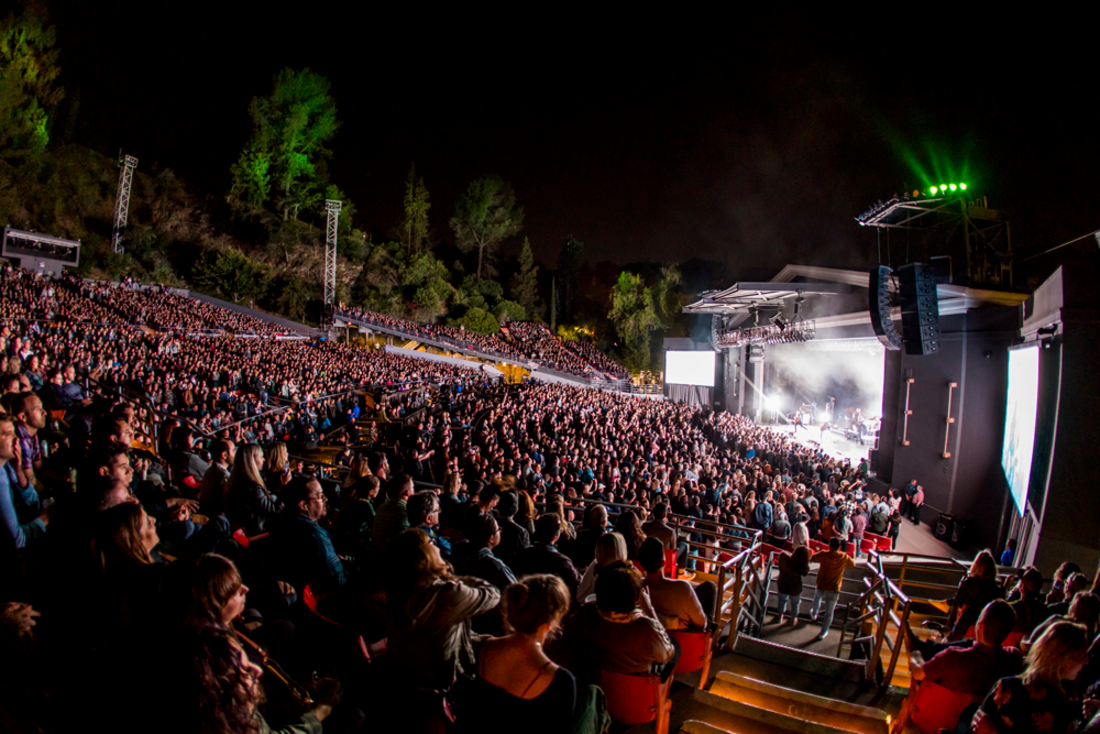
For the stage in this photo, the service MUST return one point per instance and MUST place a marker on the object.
(833, 442)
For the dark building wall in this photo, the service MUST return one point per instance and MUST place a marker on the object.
(1070, 514)
(969, 483)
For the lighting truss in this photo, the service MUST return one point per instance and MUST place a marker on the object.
(122, 201)
(332, 207)
(793, 333)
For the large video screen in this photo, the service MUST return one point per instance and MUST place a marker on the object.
(690, 368)
(1023, 404)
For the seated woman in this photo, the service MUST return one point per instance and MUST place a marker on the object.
(620, 632)
(518, 686)
(214, 687)
(430, 641)
(249, 504)
(610, 547)
(1034, 700)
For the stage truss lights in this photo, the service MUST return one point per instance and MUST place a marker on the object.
(934, 190)
(791, 333)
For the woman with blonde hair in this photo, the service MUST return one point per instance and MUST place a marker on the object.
(1034, 700)
(359, 469)
(610, 547)
(278, 466)
(250, 504)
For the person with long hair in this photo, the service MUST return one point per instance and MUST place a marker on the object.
(277, 466)
(250, 504)
(610, 547)
(1034, 700)
(793, 567)
(630, 527)
(214, 688)
(979, 587)
(517, 685)
(430, 641)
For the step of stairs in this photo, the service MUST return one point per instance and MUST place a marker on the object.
(786, 709)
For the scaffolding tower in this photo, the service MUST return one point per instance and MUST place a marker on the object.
(333, 207)
(976, 238)
(127, 164)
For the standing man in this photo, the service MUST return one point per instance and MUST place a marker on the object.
(830, 576)
(907, 497)
(915, 504)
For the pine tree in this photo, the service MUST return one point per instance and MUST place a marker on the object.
(485, 215)
(414, 224)
(28, 70)
(525, 286)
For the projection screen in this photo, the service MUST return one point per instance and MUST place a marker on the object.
(690, 368)
(1020, 414)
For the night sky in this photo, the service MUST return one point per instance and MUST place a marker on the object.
(650, 135)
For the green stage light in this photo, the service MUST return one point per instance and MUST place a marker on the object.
(934, 190)
(953, 187)
(962, 186)
(943, 188)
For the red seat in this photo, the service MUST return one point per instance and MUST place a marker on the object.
(723, 557)
(766, 550)
(191, 482)
(240, 537)
(867, 545)
(850, 549)
(637, 699)
(695, 653)
(881, 542)
(936, 708)
(817, 545)
(670, 563)
(310, 600)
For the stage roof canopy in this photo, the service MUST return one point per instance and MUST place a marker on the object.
(741, 298)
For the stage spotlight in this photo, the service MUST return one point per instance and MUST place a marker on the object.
(934, 190)
(771, 402)
(953, 187)
(943, 188)
(962, 186)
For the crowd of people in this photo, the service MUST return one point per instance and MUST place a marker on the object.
(225, 587)
(518, 341)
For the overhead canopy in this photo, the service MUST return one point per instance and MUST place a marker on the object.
(737, 302)
(742, 298)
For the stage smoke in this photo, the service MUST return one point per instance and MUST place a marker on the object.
(802, 375)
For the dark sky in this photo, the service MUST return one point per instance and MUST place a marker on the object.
(654, 134)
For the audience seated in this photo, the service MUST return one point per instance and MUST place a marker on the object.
(167, 412)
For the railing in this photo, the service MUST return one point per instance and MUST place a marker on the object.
(880, 604)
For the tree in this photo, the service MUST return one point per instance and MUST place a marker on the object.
(569, 267)
(231, 274)
(510, 311)
(286, 153)
(634, 314)
(481, 321)
(28, 94)
(414, 223)
(525, 286)
(485, 215)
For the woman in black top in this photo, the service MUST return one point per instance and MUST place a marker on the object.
(518, 688)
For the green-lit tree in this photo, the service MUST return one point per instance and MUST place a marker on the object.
(285, 157)
(485, 215)
(525, 286)
(414, 221)
(231, 274)
(634, 314)
(28, 92)
(480, 321)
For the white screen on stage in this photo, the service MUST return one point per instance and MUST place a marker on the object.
(1020, 414)
(690, 368)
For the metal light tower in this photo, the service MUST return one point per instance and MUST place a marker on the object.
(122, 203)
(333, 208)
